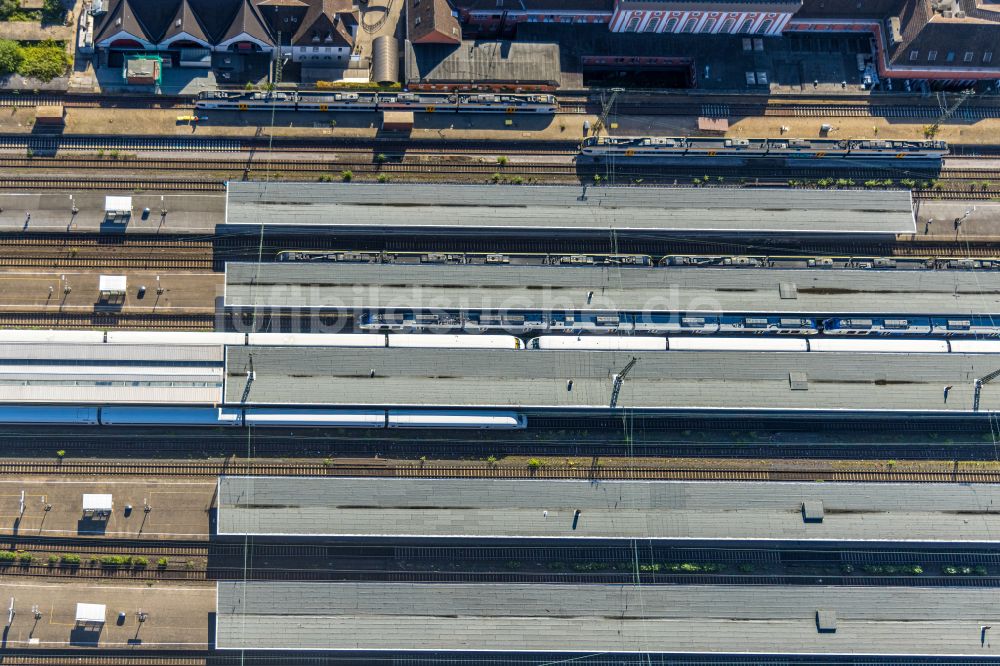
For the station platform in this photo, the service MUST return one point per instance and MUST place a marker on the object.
(178, 509)
(53, 212)
(175, 617)
(45, 292)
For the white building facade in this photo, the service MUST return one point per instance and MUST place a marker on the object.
(750, 18)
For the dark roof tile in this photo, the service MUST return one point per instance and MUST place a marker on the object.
(432, 22)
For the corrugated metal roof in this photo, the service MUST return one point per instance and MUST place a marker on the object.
(609, 509)
(111, 373)
(193, 354)
(558, 288)
(482, 62)
(660, 380)
(604, 618)
(571, 208)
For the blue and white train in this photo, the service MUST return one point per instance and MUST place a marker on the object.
(424, 102)
(444, 418)
(259, 417)
(674, 323)
(818, 153)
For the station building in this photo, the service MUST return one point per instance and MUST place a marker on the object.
(317, 32)
(949, 42)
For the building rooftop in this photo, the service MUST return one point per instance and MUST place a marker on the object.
(605, 618)
(483, 62)
(508, 288)
(658, 381)
(485, 208)
(431, 22)
(493, 508)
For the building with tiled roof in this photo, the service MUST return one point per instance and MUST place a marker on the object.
(168, 24)
(317, 32)
(432, 22)
(185, 29)
(326, 33)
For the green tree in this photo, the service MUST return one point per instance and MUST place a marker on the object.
(8, 8)
(44, 62)
(53, 11)
(11, 56)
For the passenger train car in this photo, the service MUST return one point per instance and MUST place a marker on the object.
(818, 153)
(426, 102)
(744, 344)
(291, 416)
(139, 416)
(761, 324)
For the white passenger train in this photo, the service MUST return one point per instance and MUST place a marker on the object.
(405, 340)
(690, 342)
(758, 344)
(291, 416)
(423, 102)
(259, 417)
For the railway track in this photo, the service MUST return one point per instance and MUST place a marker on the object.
(130, 184)
(77, 657)
(105, 320)
(100, 545)
(404, 165)
(87, 101)
(335, 469)
(90, 251)
(49, 145)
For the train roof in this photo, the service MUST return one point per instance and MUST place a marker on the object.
(596, 288)
(594, 619)
(760, 142)
(482, 209)
(669, 510)
(539, 379)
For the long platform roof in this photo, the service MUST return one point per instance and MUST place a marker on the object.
(659, 380)
(720, 619)
(492, 508)
(102, 373)
(480, 208)
(550, 288)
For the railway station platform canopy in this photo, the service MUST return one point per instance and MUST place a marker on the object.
(519, 210)
(668, 381)
(390, 509)
(82, 373)
(572, 619)
(509, 288)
